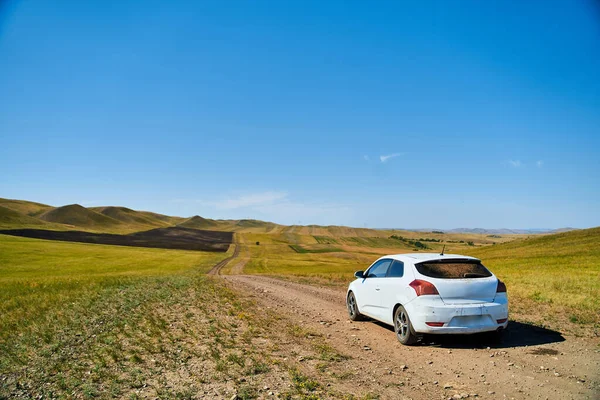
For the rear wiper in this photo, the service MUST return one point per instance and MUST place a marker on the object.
(474, 275)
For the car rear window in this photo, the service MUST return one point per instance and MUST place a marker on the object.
(453, 269)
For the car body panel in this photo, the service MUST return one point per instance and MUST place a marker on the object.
(367, 289)
(463, 318)
(391, 294)
(465, 291)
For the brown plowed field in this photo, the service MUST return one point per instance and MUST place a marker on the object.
(164, 238)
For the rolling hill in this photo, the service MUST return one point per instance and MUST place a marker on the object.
(501, 231)
(25, 207)
(79, 216)
(12, 218)
(557, 275)
(577, 243)
(254, 225)
(115, 219)
(169, 220)
(197, 222)
(129, 216)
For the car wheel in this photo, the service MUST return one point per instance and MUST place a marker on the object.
(403, 328)
(353, 312)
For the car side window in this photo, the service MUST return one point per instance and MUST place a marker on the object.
(396, 270)
(379, 269)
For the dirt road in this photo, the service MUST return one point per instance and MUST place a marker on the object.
(216, 270)
(531, 362)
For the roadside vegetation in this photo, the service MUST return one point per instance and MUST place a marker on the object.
(334, 259)
(67, 308)
(86, 320)
(553, 280)
(96, 321)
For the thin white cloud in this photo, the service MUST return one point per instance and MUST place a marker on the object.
(289, 212)
(385, 158)
(251, 200)
(272, 206)
(515, 163)
(242, 201)
(366, 158)
(540, 163)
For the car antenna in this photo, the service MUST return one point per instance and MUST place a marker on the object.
(443, 248)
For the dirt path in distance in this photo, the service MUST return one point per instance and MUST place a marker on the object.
(531, 362)
(240, 263)
(216, 270)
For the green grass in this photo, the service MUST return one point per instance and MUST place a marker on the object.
(325, 240)
(299, 249)
(84, 320)
(106, 321)
(274, 256)
(552, 280)
(94, 321)
(79, 216)
(314, 257)
(130, 217)
(25, 207)
(10, 218)
(45, 282)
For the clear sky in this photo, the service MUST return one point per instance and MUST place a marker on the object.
(380, 114)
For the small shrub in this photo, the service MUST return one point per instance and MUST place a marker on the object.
(247, 393)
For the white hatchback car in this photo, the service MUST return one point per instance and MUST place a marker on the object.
(429, 293)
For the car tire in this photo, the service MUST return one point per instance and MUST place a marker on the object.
(353, 312)
(403, 327)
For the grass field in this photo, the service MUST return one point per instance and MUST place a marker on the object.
(553, 280)
(334, 259)
(86, 320)
(54, 296)
(39, 277)
(97, 321)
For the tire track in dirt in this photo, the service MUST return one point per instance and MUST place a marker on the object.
(216, 270)
(525, 367)
(238, 268)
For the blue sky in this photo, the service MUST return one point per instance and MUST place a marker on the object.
(396, 114)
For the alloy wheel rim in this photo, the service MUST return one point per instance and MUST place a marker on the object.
(402, 324)
(351, 305)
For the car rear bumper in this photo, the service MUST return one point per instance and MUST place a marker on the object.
(457, 318)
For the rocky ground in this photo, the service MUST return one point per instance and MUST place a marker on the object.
(530, 363)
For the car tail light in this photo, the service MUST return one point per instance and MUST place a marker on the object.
(423, 287)
(435, 323)
(501, 321)
(501, 288)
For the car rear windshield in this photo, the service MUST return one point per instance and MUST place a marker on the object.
(453, 269)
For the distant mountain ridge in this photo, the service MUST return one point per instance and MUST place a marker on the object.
(116, 219)
(500, 231)
(19, 214)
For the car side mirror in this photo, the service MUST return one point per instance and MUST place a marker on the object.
(359, 274)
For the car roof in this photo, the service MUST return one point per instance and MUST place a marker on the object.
(422, 257)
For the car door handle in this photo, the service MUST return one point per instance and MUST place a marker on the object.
(377, 289)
